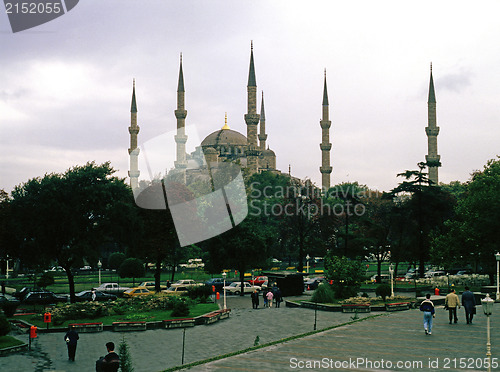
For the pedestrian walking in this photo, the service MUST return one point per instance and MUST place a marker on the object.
(71, 337)
(429, 313)
(278, 297)
(451, 303)
(264, 295)
(269, 297)
(110, 362)
(469, 304)
(255, 299)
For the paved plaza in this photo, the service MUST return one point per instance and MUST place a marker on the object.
(389, 338)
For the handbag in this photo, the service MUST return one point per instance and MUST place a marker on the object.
(446, 307)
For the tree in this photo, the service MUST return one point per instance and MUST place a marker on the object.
(65, 217)
(346, 275)
(125, 357)
(46, 279)
(115, 260)
(131, 268)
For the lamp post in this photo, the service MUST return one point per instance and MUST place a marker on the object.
(497, 256)
(391, 271)
(487, 303)
(224, 277)
(307, 260)
(99, 266)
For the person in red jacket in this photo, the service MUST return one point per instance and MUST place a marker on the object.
(429, 313)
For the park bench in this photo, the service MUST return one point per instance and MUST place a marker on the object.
(87, 327)
(179, 323)
(397, 306)
(129, 326)
(356, 308)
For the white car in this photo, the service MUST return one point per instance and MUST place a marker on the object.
(185, 283)
(235, 288)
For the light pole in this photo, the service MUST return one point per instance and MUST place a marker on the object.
(487, 303)
(497, 256)
(307, 260)
(99, 266)
(224, 277)
(391, 271)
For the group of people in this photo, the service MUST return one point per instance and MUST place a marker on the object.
(108, 363)
(451, 303)
(269, 296)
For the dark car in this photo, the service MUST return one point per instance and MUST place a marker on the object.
(43, 298)
(5, 300)
(99, 296)
(218, 283)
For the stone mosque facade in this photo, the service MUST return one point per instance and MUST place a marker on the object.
(251, 151)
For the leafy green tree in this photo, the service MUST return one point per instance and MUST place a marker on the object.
(131, 268)
(346, 275)
(46, 279)
(473, 236)
(115, 260)
(65, 217)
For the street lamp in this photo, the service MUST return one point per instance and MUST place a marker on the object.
(224, 277)
(497, 256)
(391, 271)
(307, 260)
(99, 266)
(487, 303)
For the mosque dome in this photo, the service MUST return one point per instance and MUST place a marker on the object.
(224, 137)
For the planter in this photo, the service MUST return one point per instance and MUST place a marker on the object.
(223, 313)
(356, 308)
(179, 323)
(87, 327)
(129, 326)
(211, 317)
(397, 306)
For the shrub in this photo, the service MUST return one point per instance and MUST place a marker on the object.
(181, 308)
(345, 274)
(4, 325)
(125, 358)
(383, 290)
(46, 279)
(9, 308)
(323, 294)
(199, 292)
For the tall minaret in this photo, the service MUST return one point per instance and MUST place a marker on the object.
(180, 137)
(262, 134)
(432, 131)
(133, 151)
(325, 144)
(252, 118)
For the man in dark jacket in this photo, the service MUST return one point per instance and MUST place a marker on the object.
(469, 304)
(255, 299)
(428, 308)
(109, 363)
(71, 338)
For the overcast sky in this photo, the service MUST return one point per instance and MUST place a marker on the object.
(65, 86)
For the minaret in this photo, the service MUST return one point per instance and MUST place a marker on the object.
(432, 131)
(180, 137)
(325, 144)
(252, 119)
(133, 151)
(262, 134)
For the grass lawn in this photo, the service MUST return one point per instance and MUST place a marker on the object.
(9, 341)
(150, 316)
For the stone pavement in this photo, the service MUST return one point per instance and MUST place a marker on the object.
(393, 336)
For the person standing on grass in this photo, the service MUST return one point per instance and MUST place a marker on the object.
(429, 313)
(452, 302)
(71, 339)
(469, 303)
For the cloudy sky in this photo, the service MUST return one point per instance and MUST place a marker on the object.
(65, 86)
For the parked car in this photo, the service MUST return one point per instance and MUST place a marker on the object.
(185, 283)
(259, 280)
(58, 269)
(151, 286)
(5, 300)
(137, 292)
(176, 291)
(99, 296)
(43, 298)
(235, 288)
(433, 274)
(384, 278)
(313, 283)
(112, 288)
(218, 283)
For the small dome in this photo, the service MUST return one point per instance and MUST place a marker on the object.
(224, 137)
(268, 152)
(209, 150)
